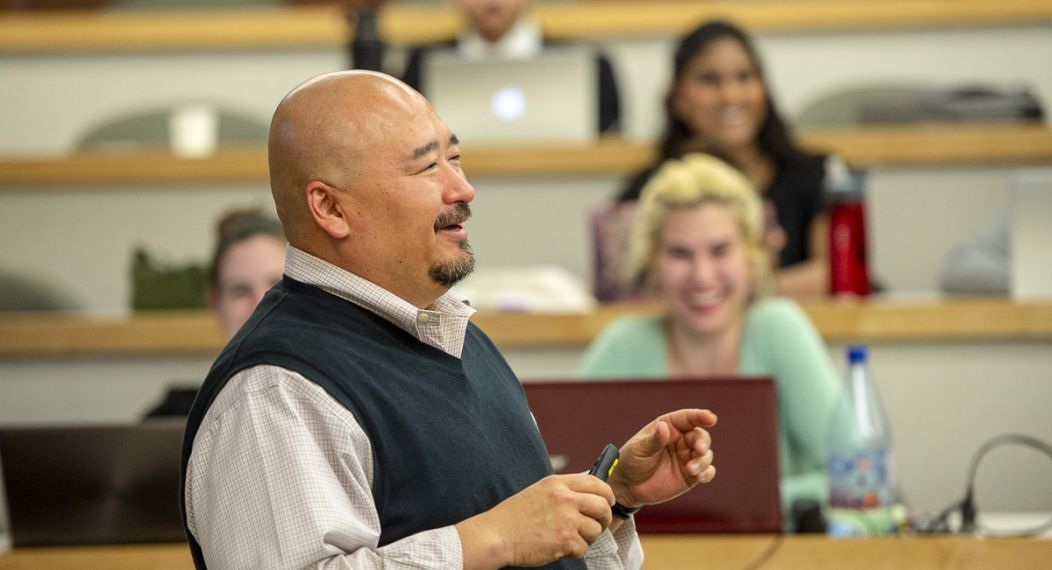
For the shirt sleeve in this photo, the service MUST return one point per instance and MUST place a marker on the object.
(281, 477)
(620, 550)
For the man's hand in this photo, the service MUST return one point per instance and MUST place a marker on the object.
(556, 517)
(665, 459)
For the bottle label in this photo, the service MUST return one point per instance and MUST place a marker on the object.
(859, 480)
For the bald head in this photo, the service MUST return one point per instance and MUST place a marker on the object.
(322, 130)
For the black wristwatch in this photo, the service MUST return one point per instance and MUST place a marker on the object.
(622, 512)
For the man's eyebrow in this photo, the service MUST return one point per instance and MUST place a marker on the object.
(429, 147)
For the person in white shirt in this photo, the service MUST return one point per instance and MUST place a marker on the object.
(358, 419)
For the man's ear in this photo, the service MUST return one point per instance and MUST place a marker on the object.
(326, 209)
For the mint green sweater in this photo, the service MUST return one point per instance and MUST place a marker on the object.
(778, 340)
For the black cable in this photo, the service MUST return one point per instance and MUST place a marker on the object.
(767, 554)
(968, 508)
(940, 524)
(967, 505)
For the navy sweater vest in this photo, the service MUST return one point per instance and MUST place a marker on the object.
(450, 437)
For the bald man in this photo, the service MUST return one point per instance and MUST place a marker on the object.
(358, 419)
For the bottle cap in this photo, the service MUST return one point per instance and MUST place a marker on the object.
(843, 182)
(856, 354)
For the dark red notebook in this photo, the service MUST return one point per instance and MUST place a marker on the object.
(577, 418)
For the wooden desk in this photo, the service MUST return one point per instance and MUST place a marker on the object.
(805, 553)
(671, 552)
(148, 557)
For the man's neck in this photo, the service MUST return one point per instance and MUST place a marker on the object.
(421, 299)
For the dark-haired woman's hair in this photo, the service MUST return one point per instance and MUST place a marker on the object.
(773, 139)
(236, 226)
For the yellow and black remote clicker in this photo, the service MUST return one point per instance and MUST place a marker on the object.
(605, 463)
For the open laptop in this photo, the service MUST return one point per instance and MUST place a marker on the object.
(577, 418)
(72, 485)
(550, 98)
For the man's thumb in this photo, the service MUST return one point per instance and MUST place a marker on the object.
(656, 439)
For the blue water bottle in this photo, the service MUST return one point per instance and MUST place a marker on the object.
(860, 470)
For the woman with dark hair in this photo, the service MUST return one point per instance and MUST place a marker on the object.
(719, 103)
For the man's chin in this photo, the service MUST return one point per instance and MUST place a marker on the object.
(453, 271)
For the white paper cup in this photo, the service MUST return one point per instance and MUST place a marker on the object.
(193, 130)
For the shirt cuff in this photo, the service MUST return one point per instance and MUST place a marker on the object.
(437, 548)
(604, 546)
(620, 549)
(628, 544)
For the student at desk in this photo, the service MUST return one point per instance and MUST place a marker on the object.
(248, 260)
(697, 241)
(719, 103)
(501, 30)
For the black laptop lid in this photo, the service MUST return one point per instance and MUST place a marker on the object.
(70, 485)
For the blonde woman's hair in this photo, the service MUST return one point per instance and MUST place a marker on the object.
(687, 182)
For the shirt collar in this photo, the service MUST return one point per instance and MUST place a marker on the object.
(443, 324)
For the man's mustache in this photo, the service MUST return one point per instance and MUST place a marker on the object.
(454, 216)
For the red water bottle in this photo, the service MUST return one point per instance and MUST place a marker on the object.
(848, 273)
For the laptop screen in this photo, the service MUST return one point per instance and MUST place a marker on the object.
(577, 418)
(550, 98)
(93, 484)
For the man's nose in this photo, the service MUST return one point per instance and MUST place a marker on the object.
(457, 187)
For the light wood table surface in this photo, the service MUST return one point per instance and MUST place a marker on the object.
(663, 552)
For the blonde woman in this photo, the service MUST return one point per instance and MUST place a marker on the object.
(697, 244)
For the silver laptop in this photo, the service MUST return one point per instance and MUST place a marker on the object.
(1031, 235)
(113, 484)
(551, 98)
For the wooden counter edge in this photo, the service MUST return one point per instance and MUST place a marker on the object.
(313, 26)
(875, 321)
(906, 146)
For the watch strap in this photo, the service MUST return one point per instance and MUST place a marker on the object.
(622, 512)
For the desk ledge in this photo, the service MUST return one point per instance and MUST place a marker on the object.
(872, 321)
